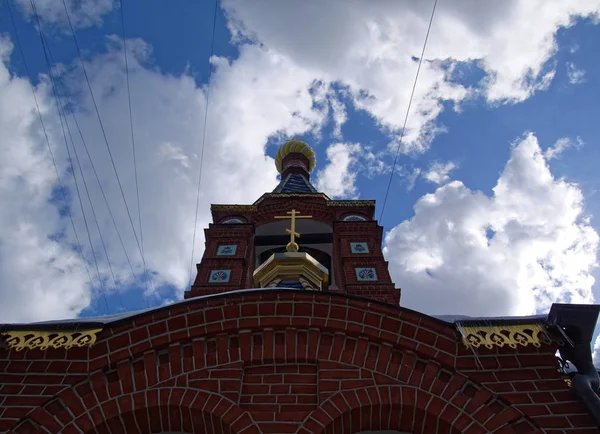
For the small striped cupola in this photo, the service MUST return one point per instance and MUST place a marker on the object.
(295, 160)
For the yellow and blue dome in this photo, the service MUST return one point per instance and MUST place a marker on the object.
(298, 146)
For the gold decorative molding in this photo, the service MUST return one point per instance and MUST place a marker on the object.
(30, 339)
(291, 265)
(501, 335)
(233, 208)
(351, 203)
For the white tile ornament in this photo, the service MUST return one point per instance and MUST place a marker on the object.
(366, 274)
(359, 248)
(227, 250)
(219, 276)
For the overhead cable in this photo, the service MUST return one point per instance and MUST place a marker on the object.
(137, 189)
(70, 159)
(39, 113)
(87, 80)
(212, 50)
(408, 111)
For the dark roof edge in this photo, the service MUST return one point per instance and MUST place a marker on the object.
(114, 320)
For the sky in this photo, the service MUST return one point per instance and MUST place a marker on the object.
(492, 206)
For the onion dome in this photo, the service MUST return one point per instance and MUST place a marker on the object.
(295, 146)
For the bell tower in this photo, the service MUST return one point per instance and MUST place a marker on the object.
(297, 238)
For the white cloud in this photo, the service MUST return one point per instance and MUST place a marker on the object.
(39, 276)
(596, 351)
(83, 13)
(438, 172)
(339, 116)
(43, 278)
(575, 75)
(513, 253)
(408, 175)
(562, 145)
(281, 88)
(367, 47)
(338, 178)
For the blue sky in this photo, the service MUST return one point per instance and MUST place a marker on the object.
(493, 201)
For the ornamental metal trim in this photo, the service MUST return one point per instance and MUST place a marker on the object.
(352, 203)
(504, 335)
(233, 208)
(19, 340)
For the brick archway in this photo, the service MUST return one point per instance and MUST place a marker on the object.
(403, 408)
(218, 363)
(162, 409)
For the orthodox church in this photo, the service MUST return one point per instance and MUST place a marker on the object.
(293, 325)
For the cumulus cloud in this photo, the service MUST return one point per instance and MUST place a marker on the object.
(596, 353)
(371, 49)
(83, 13)
(42, 276)
(562, 145)
(438, 172)
(338, 179)
(339, 117)
(575, 75)
(38, 273)
(513, 253)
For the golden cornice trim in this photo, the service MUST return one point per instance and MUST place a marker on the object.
(30, 339)
(234, 208)
(291, 265)
(351, 203)
(501, 335)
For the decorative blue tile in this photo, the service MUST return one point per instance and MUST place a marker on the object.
(227, 250)
(359, 248)
(366, 274)
(219, 276)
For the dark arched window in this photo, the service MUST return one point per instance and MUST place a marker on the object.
(232, 221)
(354, 218)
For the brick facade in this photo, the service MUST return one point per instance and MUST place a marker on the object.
(276, 361)
(323, 210)
(343, 360)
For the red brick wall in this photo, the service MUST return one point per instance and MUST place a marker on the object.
(192, 367)
(291, 162)
(346, 262)
(343, 261)
(241, 264)
(527, 378)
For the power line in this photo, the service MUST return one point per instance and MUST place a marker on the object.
(39, 113)
(61, 90)
(87, 80)
(137, 189)
(83, 141)
(147, 280)
(408, 111)
(93, 209)
(212, 50)
(60, 117)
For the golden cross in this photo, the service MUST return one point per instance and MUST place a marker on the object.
(293, 215)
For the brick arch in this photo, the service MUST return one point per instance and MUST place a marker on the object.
(255, 311)
(184, 345)
(407, 409)
(155, 410)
